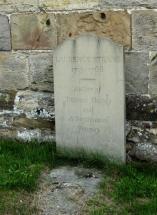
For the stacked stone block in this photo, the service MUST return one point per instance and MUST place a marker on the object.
(31, 30)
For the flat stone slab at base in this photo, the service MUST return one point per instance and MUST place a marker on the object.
(65, 190)
(89, 96)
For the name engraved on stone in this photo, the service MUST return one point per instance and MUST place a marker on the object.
(87, 119)
(76, 100)
(106, 100)
(101, 59)
(90, 130)
(89, 96)
(92, 69)
(78, 89)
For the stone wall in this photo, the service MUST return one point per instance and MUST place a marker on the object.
(30, 31)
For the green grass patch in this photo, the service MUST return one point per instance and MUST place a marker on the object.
(20, 167)
(125, 189)
(21, 164)
(13, 202)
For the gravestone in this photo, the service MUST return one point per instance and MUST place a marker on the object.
(89, 96)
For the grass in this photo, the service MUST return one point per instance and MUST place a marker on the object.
(130, 189)
(125, 189)
(20, 167)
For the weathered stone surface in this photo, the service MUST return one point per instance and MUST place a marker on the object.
(153, 74)
(41, 71)
(13, 71)
(7, 100)
(6, 119)
(89, 4)
(43, 135)
(35, 134)
(68, 4)
(115, 25)
(141, 108)
(144, 26)
(8, 133)
(18, 5)
(5, 40)
(139, 131)
(23, 122)
(35, 104)
(137, 72)
(142, 131)
(128, 3)
(33, 31)
(142, 140)
(52, 5)
(89, 99)
(145, 152)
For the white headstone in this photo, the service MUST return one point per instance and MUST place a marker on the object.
(89, 96)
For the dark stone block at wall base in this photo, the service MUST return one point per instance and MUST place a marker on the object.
(140, 107)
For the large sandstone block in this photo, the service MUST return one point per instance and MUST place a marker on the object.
(33, 31)
(144, 25)
(137, 72)
(5, 41)
(115, 25)
(13, 71)
(41, 71)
